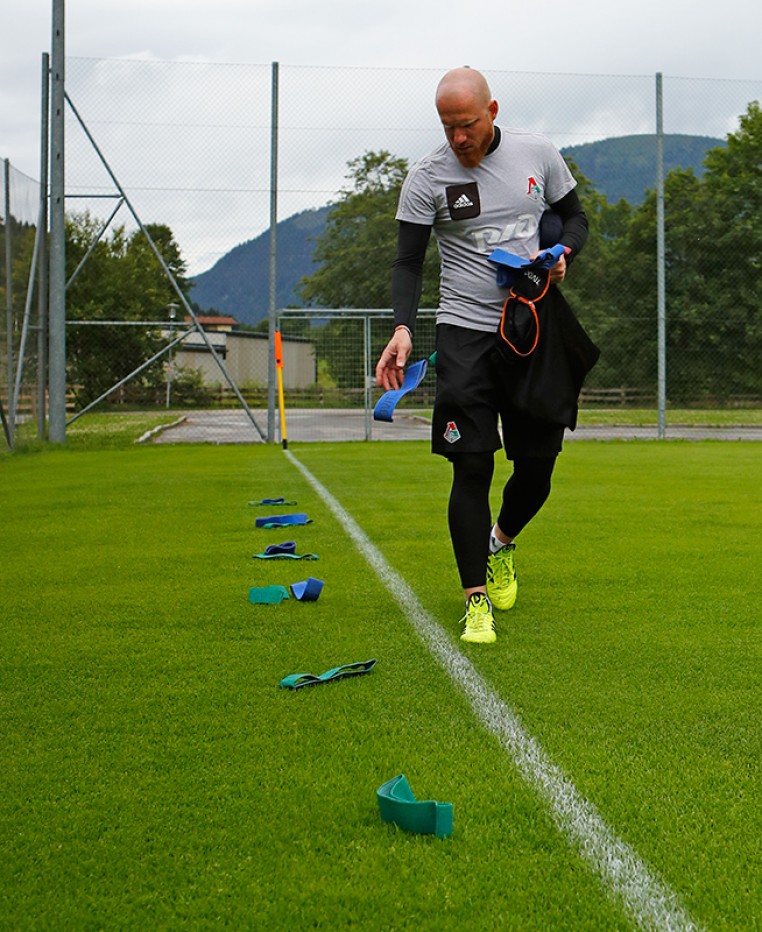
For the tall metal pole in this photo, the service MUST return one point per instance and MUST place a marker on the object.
(43, 284)
(271, 373)
(57, 322)
(661, 299)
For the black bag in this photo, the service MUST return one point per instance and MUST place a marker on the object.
(543, 353)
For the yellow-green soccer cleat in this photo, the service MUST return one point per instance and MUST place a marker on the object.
(502, 585)
(478, 623)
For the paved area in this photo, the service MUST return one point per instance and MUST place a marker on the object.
(314, 424)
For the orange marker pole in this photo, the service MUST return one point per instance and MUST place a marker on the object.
(281, 402)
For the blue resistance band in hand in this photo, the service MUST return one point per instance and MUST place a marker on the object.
(388, 401)
(508, 262)
(297, 680)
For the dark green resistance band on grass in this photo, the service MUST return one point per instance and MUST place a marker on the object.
(297, 680)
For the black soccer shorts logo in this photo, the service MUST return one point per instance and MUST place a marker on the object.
(463, 201)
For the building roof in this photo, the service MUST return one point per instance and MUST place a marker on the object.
(214, 321)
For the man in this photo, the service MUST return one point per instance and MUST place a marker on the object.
(485, 187)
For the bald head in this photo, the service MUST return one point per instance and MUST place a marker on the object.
(467, 112)
(464, 85)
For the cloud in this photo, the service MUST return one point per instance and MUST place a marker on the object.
(178, 93)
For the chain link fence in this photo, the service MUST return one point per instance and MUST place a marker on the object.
(21, 389)
(192, 145)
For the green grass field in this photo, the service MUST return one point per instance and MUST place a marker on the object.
(155, 777)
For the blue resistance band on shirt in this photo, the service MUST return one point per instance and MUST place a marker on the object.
(507, 263)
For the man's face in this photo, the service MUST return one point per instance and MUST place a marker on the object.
(468, 127)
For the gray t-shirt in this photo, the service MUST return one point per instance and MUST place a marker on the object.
(475, 210)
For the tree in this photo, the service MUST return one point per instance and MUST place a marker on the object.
(356, 254)
(594, 285)
(713, 263)
(713, 282)
(121, 281)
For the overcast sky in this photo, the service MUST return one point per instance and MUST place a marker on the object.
(678, 38)
(517, 46)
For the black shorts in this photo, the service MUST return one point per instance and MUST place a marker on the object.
(469, 401)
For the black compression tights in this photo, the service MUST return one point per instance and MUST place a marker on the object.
(468, 512)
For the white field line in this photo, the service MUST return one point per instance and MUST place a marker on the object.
(647, 899)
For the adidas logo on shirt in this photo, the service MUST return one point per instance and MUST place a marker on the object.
(463, 201)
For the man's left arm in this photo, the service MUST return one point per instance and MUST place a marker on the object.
(573, 234)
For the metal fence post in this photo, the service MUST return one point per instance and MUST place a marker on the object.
(57, 315)
(273, 256)
(367, 397)
(42, 293)
(9, 299)
(661, 301)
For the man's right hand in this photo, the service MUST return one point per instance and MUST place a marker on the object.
(389, 371)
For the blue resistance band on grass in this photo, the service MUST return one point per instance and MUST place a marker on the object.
(297, 680)
(284, 551)
(307, 591)
(272, 501)
(282, 520)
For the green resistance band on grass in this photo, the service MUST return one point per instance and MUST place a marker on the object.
(397, 804)
(284, 551)
(297, 680)
(268, 595)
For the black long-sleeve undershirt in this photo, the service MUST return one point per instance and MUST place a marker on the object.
(413, 238)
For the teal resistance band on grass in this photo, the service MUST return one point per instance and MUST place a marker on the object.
(282, 520)
(284, 551)
(268, 595)
(297, 680)
(388, 401)
(397, 804)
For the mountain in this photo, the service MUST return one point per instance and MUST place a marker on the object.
(238, 284)
(625, 167)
